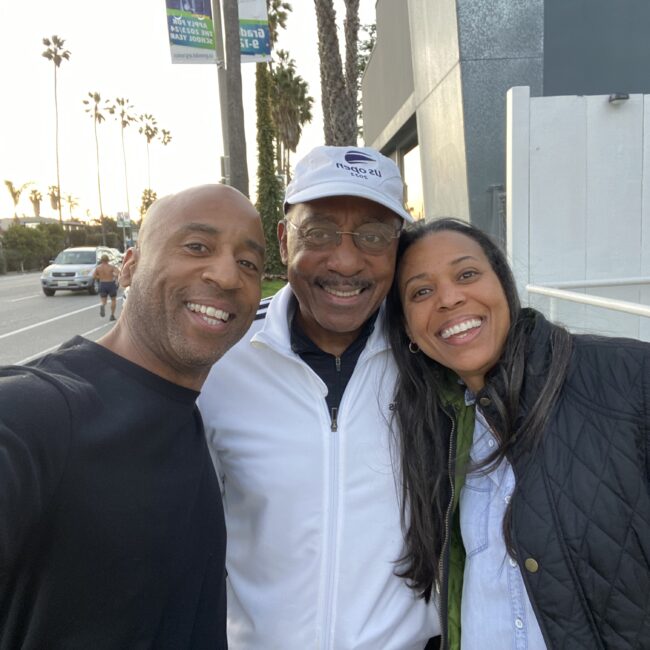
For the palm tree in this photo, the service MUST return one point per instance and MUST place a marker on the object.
(95, 111)
(56, 54)
(278, 12)
(72, 202)
(269, 187)
(290, 107)
(366, 45)
(148, 128)
(36, 197)
(122, 110)
(148, 197)
(15, 194)
(55, 197)
(165, 136)
(338, 91)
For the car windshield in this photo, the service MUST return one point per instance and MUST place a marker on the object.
(76, 257)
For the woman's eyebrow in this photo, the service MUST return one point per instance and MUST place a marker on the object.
(463, 258)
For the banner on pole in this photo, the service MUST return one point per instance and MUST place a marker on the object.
(254, 36)
(191, 32)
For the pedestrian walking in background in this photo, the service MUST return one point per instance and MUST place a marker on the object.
(107, 274)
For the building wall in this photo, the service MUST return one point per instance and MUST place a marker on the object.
(465, 55)
(439, 107)
(387, 82)
(500, 46)
(594, 47)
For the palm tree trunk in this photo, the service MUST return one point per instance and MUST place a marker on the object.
(126, 177)
(339, 118)
(56, 147)
(128, 205)
(99, 187)
(148, 168)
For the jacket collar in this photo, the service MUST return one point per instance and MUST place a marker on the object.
(276, 330)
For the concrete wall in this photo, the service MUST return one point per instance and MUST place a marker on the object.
(439, 107)
(500, 47)
(387, 83)
(465, 54)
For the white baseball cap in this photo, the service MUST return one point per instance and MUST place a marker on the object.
(347, 171)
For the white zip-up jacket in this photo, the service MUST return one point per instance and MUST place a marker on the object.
(312, 514)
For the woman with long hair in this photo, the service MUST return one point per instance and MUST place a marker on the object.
(524, 457)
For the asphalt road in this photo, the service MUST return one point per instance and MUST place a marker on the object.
(32, 324)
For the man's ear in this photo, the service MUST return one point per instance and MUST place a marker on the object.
(128, 266)
(282, 240)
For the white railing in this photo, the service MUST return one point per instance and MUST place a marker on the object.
(558, 291)
(584, 284)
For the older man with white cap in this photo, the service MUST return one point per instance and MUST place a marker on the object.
(297, 418)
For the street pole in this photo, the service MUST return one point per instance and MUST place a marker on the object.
(223, 90)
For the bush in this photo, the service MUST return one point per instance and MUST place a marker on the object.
(78, 238)
(25, 248)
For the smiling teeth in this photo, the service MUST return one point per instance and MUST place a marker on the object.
(460, 328)
(342, 294)
(211, 315)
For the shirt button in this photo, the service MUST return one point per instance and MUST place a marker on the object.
(519, 623)
(485, 401)
(531, 565)
(490, 443)
(507, 498)
(512, 561)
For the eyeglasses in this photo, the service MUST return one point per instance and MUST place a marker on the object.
(375, 237)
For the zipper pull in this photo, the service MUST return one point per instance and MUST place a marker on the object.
(334, 426)
(337, 361)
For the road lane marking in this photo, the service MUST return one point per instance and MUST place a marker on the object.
(36, 295)
(49, 320)
(57, 346)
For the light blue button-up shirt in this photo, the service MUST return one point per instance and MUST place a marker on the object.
(496, 613)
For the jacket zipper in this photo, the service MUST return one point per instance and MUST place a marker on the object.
(333, 495)
(333, 490)
(334, 412)
(444, 555)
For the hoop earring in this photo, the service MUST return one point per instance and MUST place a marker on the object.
(414, 348)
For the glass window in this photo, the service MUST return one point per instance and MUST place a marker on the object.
(413, 182)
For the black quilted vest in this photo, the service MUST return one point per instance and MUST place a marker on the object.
(581, 508)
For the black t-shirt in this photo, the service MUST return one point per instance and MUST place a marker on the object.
(111, 524)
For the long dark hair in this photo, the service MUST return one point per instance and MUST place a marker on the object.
(423, 426)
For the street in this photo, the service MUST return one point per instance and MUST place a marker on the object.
(32, 324)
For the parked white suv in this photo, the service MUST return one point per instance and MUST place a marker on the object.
(72, 270)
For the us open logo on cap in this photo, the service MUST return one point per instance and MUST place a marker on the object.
(358, 164)
(358, 157)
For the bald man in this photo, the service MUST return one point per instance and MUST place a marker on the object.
(111, 523)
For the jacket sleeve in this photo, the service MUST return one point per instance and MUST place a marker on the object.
(34, 442)
(646, 413)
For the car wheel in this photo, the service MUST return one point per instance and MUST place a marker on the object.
(93, 289)
(49, 292)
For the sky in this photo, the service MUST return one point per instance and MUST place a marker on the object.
(121, 49)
